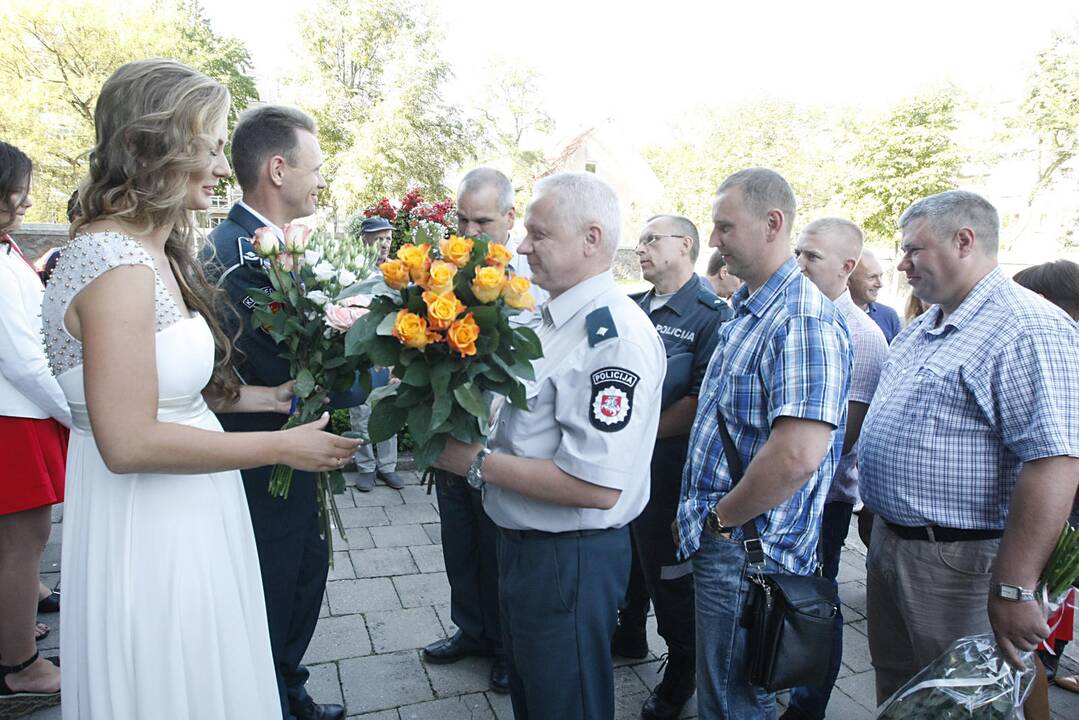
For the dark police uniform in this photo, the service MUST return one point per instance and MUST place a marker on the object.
(292, 553)
(563, 570)
(688, 324)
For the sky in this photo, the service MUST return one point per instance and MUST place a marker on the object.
(648, 64)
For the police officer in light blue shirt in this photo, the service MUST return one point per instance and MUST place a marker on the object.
(563, 478)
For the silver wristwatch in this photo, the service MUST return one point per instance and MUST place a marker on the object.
(475, 471)
(1013, 592)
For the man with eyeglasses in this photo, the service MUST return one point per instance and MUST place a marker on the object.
(687, 317)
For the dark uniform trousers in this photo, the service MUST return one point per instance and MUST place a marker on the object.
(559, 597)
(469, 541)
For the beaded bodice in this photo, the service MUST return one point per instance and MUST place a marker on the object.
(81, 261)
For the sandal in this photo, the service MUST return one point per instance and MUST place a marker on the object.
(41, 631)
(1068, 682)
(50, 603)
(22, 702)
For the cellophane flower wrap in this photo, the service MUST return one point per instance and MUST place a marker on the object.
(440, 320)
(972, 680)
(307, 316)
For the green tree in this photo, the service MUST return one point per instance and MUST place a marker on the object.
(907, 155)
(373, 80)
(56, 54)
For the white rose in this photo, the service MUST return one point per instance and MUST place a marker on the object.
(311, 257)
(318, 297)
(324, 271)
(346, 278)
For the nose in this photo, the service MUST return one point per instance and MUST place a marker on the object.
(468, 228)
(223, 169)
(802, 262)
(905, 265)
(713, 239)
(525, 248)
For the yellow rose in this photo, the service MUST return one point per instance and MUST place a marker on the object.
(462, 335)
(412, 330)
(497, 254)
(440, 277)
(516, 293)
(395, 273)
(457, 250)
(416, 259)
(487, 285)
(442, 309)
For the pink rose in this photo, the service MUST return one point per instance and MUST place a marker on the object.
(265, 242)
(285, 261)
(296, 237)
(357, 301)
(341, 318)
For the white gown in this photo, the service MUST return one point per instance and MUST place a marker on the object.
(163, 615)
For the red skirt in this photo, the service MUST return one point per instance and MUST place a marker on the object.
(35, 454)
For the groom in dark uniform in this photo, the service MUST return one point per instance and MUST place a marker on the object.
(276, 157)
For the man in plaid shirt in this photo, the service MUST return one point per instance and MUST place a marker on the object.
(779, 379)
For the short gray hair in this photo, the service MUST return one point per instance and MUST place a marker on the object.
(684, 226)
(763, 190)
(587, 200)
(841, 228)
(483, 177)
(948, 211)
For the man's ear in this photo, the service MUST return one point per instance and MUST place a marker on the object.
(848, 267)
(964, 239)
(593, 240)
(275, 167)
(512, 217)
(775, 222)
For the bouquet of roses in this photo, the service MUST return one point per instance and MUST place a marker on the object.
(306, 314)
(440, 319)
(416, 221)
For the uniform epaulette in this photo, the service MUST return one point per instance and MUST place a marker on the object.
(600, 325)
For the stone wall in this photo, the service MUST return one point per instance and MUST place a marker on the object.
(35, 238)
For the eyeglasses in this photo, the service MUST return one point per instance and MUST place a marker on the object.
(647, 240)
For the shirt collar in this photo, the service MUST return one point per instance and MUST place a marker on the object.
(767, 293)
(681, 301)
(262, 218)
(972, 303)
(560, 309)
(845, 301)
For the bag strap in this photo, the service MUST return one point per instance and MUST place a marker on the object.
(752, 538)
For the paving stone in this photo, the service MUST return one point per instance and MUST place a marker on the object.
(501, 704)
(381, 562)
(852, 595)
(358, 539)
(472, 674)
(399, 536)
(860, 688)
(841, 707)
(324, 685)
(434, 531)
(337, 638)
(342, 566)
(364, 516)
(380, 715)
(417, 494)
(324, 608)
(429, 558)
(855, 650)
(381, 682)
(447, 622)
(360, 596)
(403, 629)
(379, 495)
(420, 590)
(412, 513)
(463, 707)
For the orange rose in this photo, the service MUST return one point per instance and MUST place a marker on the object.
(487, 285)
(440, 277)
(497, 254)
(417, 259)
(516, 293)
(442, 309)
(461, 337)
(457, 250)
(395, 273)
(412, 331)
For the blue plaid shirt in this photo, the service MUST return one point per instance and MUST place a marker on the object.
(786, 353)
(960, 407)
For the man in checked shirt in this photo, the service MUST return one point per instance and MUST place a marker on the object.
(969, 453)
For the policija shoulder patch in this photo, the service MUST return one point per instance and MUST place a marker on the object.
(612, 398)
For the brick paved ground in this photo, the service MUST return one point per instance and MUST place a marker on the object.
(387, 597)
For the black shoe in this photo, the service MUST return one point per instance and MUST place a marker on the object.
(50, 603)
(794, 713)
(674, 690)
(450, 650)
(629, 641)
(314, 711)
(500, 675)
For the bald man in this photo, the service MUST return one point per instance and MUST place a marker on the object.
(865, 283)
(828, 252)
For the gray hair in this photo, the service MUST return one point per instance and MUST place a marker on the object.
(483, 177)
(684, 226)
(948, 211)
(849, 234)
(586, 200)
(262, 131)
(763, 190)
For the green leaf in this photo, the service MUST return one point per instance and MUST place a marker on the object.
(486, 316)
(419, 423)
(305, 384)
(417, 374)
(384, 351)
(426, 453)
(386, 326)
(441, 408)
(528, 342)
(517, 397)
(386, 421)
(471, 399)
(361, 333)
(380, 393)
(440, 377)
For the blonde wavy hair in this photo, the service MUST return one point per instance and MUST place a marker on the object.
(152, 122)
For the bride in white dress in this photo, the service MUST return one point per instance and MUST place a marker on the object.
(163, 614)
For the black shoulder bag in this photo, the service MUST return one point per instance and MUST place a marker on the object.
(790, 619)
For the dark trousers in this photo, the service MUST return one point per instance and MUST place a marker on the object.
(294, 562)
(813, 701)
(658, 574)
(560, 597)
(469, 539)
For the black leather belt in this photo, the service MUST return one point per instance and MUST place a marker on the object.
(936, 533)
(540, 534)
